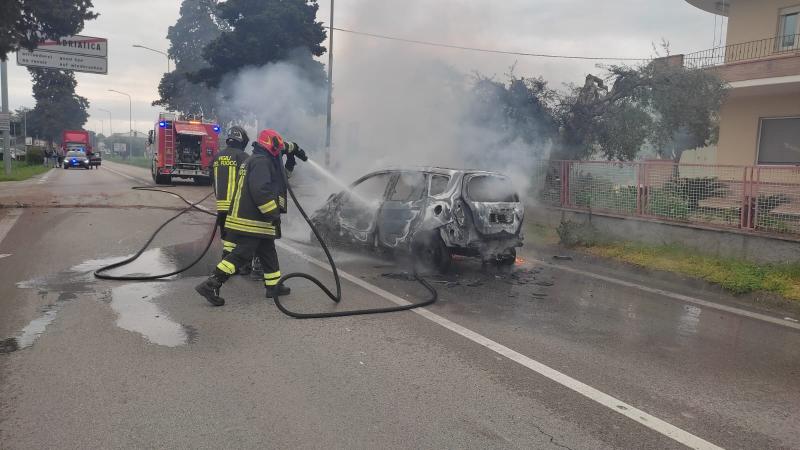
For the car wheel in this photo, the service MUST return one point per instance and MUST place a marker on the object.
(508, 259)
(431, 252)
(163, 179)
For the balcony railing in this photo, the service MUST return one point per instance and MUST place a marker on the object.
(745, 51)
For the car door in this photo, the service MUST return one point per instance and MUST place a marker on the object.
(402, 209)
(359, 206)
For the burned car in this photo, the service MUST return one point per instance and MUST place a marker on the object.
(432, 213)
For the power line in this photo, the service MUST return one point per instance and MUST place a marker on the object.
(483, 50)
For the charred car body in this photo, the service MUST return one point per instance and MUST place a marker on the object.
(432, 213)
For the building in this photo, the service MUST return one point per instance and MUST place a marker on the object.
(760, 120)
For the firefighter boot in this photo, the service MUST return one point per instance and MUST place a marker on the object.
(282, 291)
(210, 290)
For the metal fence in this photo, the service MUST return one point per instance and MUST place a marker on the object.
(763, 48)
(756, 198)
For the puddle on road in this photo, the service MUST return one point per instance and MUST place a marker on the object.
(136, 312)
(132, 302)
(36, 327)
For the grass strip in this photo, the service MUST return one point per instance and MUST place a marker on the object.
(22, 171)
(736, 276)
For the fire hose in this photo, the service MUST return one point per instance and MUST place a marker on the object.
(337, 297)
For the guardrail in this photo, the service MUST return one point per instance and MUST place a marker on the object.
(754, 198)
(745, 51)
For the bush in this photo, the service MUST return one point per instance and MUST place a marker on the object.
(694, 190)
(666, 204)
(34, 155)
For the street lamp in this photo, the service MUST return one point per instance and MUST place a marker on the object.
(328, 117)
(154, 50)
(130, 110)
(110, 128)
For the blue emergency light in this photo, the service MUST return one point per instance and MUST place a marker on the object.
(216, 128)
(162, 124)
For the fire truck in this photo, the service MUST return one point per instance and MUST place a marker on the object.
(182, 147)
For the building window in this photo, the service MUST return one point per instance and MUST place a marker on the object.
(789, 28)
(779, 141)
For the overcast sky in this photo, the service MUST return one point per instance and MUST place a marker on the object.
(613, 28)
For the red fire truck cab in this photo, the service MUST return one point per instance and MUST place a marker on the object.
(183, 148)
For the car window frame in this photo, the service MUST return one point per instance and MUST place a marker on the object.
(392, 176)
(390, 192)
(431, 175)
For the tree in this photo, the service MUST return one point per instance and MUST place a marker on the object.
(655, 103)
(24, 22)
(195, 28)
(258, 32)
(57, 107)
(521, 109)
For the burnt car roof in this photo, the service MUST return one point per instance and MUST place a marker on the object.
(439, 170)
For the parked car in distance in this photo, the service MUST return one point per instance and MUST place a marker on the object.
(76, 159)
(431, 213)
(95, 159)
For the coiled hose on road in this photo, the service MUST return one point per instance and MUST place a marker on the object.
(337, 297)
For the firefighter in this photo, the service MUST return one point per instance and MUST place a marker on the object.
(253, 221)
(290, 149)
(225, 167)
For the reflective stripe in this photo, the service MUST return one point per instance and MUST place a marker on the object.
(271, 282)
(223, 205)
(227, 245)
(226, 267)
(268, 207)
(272, 276)
(237, 199)
(231, 184)
(282, 202)
(247, 229)
(251, 223)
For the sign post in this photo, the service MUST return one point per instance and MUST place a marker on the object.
(76, 53)
(5, 125)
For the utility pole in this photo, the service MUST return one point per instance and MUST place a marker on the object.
(330, 93)
(6, 134)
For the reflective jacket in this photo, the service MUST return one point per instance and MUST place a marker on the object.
(259, 198)
(225, 168)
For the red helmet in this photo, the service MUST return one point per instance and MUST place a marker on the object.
(271, 140)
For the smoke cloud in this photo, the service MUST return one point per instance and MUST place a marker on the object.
(394, 106)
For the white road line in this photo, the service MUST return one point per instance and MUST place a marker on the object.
(125, 175)
(7, 222)
(674, 295)
(4, 255)
(614, 404)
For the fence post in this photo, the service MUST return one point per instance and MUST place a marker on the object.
(564, 184)
(749, 209)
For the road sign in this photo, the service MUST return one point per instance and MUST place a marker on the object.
(78, 53)
(5, 121)
(120, 147)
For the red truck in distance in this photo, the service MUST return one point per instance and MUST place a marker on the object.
(182, 148)
(76, 140)
(79, 140)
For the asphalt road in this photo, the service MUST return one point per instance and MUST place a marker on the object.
(568, 354)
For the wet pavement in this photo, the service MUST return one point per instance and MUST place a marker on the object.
(121, 364)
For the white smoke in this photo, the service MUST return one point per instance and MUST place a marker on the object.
(394, 105)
